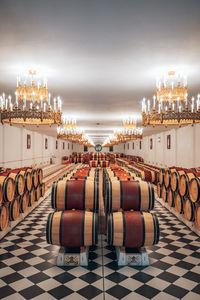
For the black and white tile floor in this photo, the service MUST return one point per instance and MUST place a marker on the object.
(28, 271)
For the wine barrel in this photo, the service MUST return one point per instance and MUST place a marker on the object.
(179, 203)
(93, 163)
(35, 178)
(28, 179)
(37, 193)
(23, 203)
(8, 188)
(72, 228)
(184, 181)
(75, 194)
(161, 175)
(197, 217)
(194, 190)
(129, 195)
(4, 217)
(14, 209)
(19, 182)
(167, 177)
(175, 179)
(170, 197)
(159, 190)
(104, 163)
(31, 197)
(40, 175)
(42, 189)
(189, 209)
(164, 193)
(132, 229)
(1, 195)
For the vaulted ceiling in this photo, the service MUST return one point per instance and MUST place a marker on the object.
(100, 56)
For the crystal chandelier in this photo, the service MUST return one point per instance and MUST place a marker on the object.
(131, 121)
(171, 105)
(72, 134)
(128, 134)
(32, 105)
(68, 122)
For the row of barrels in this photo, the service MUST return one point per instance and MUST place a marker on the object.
(16, 182)
(182, 204)
(10, 211)
(101, 163)
(184, 181)
(128, 200)
(75, 198)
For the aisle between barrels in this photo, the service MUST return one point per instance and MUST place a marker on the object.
(28, 268)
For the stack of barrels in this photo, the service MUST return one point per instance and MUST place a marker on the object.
(19, 188)
(146, 172)
(181, 189)
(75, 198)
(128, 200)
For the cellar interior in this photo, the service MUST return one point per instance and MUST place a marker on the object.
(99, 150)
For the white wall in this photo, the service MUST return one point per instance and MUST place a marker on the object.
(184, 152)
(80, 148)
(14, 152)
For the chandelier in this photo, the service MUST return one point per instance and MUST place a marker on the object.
(126, 134)
(110, 141)
(171, 104)
(131, 121)
(68, 122)
(72, 134)
(32, 105)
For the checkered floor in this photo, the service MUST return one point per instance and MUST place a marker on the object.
(28, 271)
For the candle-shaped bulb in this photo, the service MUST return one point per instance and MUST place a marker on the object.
(49, 99)
(173, 106)
(178, 101)
(24, 100)
(45, 107)
(186, 99)
(154, 101)
(54, 102)
(41, 101)
(148, 103)
(33, 97)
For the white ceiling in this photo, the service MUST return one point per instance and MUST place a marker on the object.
(101, 57)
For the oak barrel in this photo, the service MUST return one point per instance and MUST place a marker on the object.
(1, 195)
(132, 229)
(40, 175)
(189, 209)
(159, 190)
(184, 181)
(129, 195)
(28, 179)
(197, 216)
(23, 203)
(164, 193)
(170, 197)
(8, 188)
(93, 163)
(31, 197)
(37, 193)
(72, 228)
(179, 203)
(4, 217)
(19, 182)
(42, 189)
(14, 209)
(174, 178)
(194, 189)
(75, 194)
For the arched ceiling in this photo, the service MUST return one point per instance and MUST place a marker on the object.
(100, 56)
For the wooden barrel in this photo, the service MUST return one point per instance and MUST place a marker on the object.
(40, 175)
(37, 193)
(4, 217)
(159, 190)
(42, 189)
(104, 163)
(129, 195)
(167, 177)
(31, 197)
(23, 202)
(132, 229)
(35, 177)
(197, 216)
(19, 182)
(170, 197)
(8, 188)
(184, 181)
(161, 176)
(75, 194)
(93, 163)
(72, 228)
(164, 193)
(194, 190)
(189, 209)
(14, 209)
(28, 179)
(179, 203)
(175, 179)
(1, 195)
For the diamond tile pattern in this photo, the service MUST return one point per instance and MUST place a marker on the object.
(28, 265)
